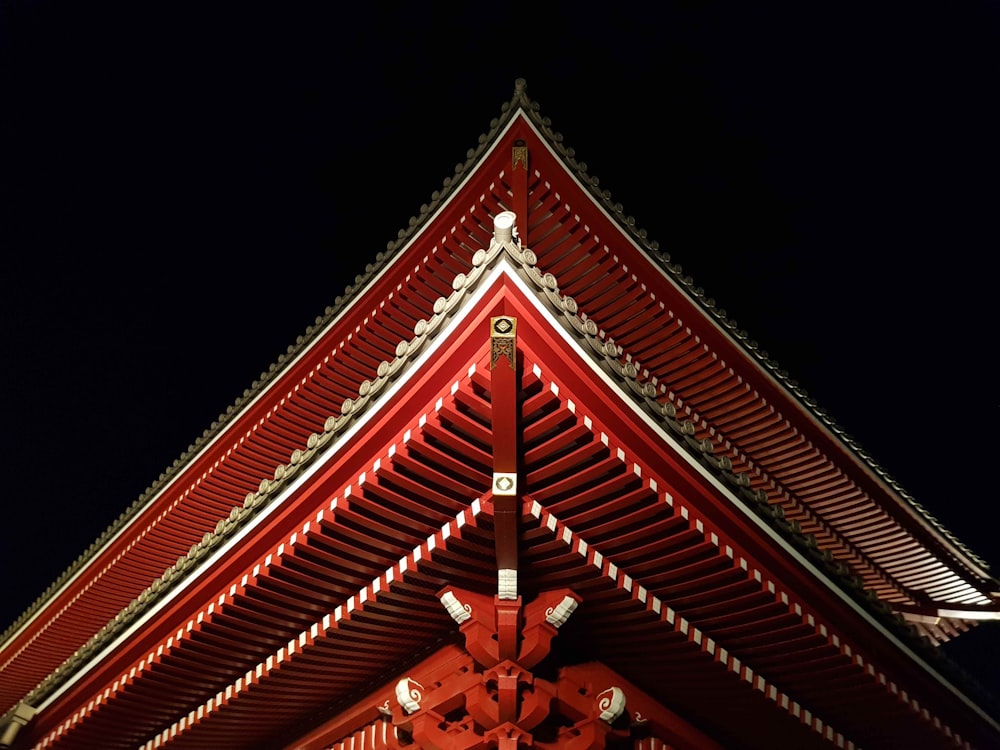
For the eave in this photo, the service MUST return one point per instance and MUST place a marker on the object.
(721, 393)
(739, 399)
(660, 589)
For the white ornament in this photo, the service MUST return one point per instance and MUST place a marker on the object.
(612, 704)
(507, 583)
(409, 697)
(459, 612)
(558, 615)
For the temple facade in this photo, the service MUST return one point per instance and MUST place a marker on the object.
(522, 486)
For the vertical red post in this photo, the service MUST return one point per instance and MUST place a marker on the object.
(519, 186)
(506, 506)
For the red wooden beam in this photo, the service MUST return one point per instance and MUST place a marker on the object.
(506, 508)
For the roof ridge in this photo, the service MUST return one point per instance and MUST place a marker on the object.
(268, 489)
(709, 304)
(508, 109)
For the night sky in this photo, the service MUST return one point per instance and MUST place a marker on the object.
(184, 189)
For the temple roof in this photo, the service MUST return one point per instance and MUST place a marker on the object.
(682, 365)
(521, 103)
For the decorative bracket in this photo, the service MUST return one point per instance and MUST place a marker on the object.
(503, 340)
(496, 630)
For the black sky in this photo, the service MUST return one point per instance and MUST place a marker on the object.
(183, 189)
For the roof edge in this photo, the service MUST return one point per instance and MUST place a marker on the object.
(743, 339)
(519, 102)
(607, 356)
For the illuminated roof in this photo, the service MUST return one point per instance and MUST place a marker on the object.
(672, 470)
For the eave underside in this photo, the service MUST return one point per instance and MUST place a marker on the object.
(349, 595)
(594, 263)
(764, 438)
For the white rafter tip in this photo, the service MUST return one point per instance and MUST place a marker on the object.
(459, 612)
(557, 615)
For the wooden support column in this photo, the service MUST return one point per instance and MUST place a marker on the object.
(506, 504)
(519, 184)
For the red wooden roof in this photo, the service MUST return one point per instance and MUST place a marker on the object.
(703, 508)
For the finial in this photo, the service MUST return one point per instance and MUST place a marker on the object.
(520, 97)
(503, 226)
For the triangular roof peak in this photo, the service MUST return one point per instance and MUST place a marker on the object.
(639, 479)
(675, 348)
